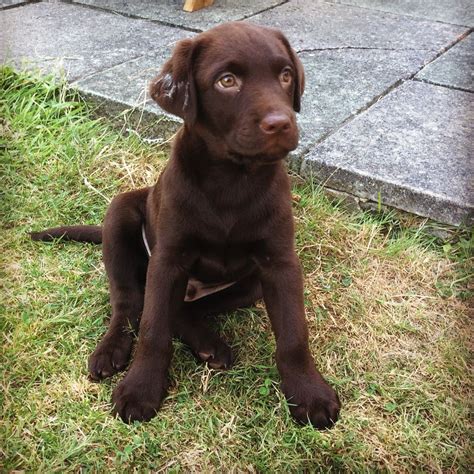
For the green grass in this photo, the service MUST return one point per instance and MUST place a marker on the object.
(387, 307)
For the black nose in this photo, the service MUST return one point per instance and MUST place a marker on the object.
(275, 122)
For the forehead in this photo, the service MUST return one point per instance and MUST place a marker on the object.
(240, 44)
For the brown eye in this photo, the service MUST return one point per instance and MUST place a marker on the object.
(227, 80)
(286, 76)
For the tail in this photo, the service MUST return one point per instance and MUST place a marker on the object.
(79, 233)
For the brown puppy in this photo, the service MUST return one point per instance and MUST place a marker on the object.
(216, 232)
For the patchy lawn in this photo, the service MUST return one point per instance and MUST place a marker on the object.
(387, 306)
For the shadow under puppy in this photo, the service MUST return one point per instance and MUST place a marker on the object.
(216, 231)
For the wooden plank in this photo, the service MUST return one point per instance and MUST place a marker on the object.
(193, 5)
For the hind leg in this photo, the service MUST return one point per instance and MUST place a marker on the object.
(192, 328)
(126, 263)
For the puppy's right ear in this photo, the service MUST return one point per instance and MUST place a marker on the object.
(174, 89)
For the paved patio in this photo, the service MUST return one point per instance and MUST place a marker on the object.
(388, 112)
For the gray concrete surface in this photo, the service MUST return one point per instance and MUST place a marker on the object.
(412, 150)
(460, 12)
(455, 68)
(76, 40)
(373, 125)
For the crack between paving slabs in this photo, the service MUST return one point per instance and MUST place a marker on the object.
(363, 48)
(264, 10)
(446, 86)
(19, 5)
(130, 15)
(445, 50)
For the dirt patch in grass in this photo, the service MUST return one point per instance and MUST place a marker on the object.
(387, 306)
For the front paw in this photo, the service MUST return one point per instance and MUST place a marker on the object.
(110, 356)
(138, 396)
(312, 400)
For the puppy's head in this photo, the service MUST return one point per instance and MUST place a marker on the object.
(238, 86)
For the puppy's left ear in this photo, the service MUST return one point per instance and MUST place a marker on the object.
(299, 79)
(174, 89)
(299, 72)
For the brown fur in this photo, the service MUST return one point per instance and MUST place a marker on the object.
(220, 213)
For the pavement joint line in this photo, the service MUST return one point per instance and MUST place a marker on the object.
(419, 18)
(264, 10)
(133, 17)
(363, 48)
(446, 49)
(446, 86)
(18, 5)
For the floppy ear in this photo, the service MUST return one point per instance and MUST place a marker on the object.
(174, 89)
(299, 79)
(299, 72)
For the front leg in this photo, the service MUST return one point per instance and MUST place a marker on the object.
(140, 393)
(310, 397)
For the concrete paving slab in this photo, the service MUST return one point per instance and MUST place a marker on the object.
(171, 12)
(339, 83)
(314, 24)
(413, 150)
(80, 41)
(455, 68)
(458, 12)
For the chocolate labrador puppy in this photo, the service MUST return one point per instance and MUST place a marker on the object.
(216, 231)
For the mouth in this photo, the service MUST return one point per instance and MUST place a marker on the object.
(270, 152)
(258, 159)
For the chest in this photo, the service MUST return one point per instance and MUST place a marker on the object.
(220, 262)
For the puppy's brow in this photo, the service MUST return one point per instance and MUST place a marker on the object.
(236, 67)
(279, 62)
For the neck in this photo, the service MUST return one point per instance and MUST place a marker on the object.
(225, 182)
